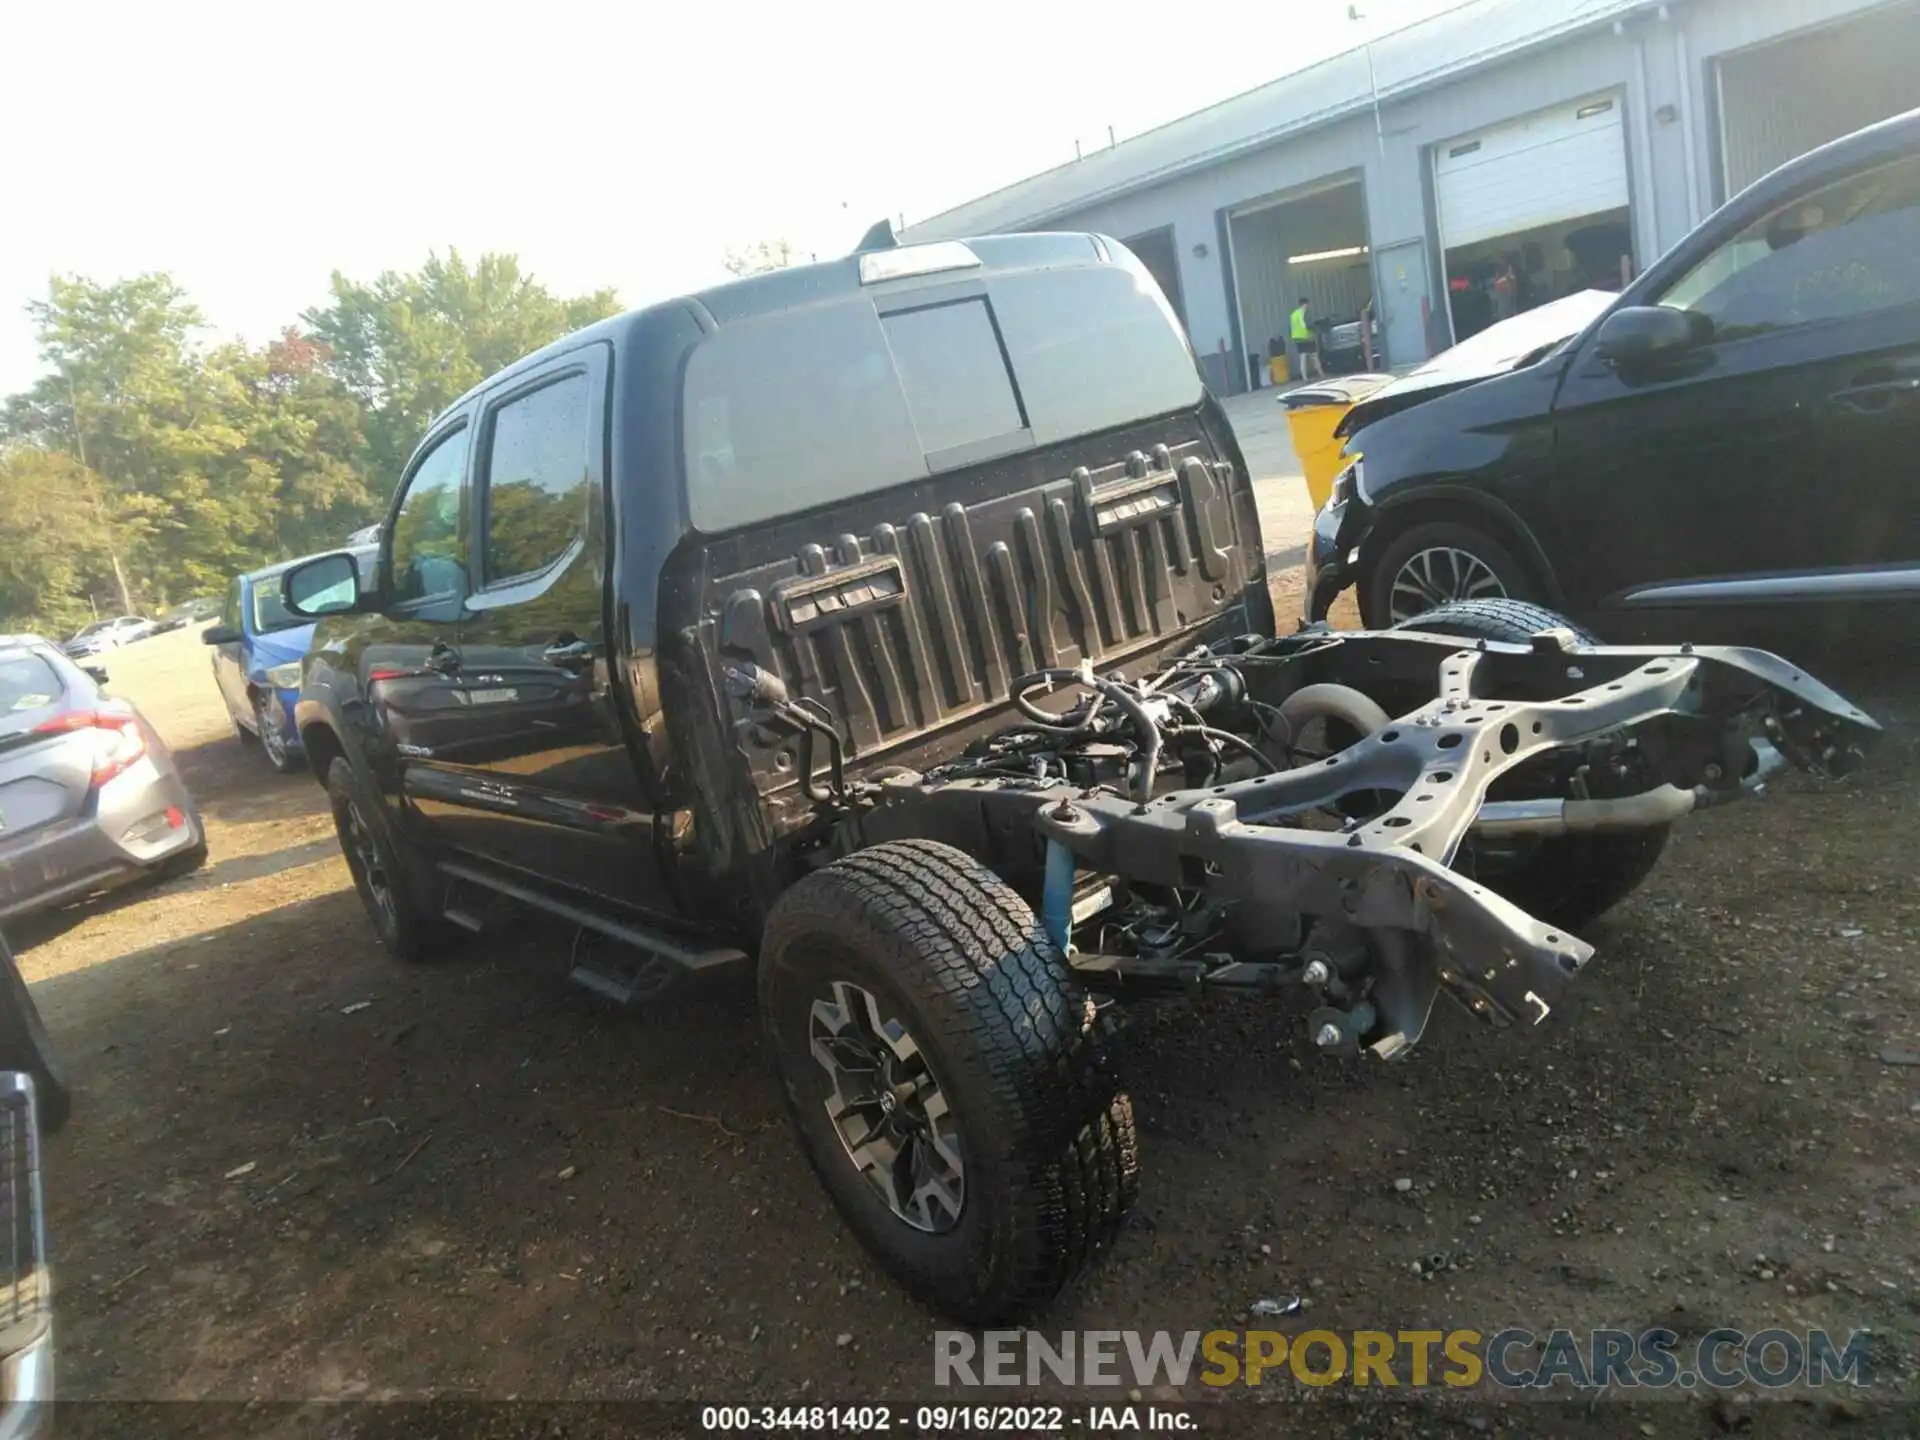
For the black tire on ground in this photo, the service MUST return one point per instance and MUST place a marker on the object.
(387, 884)
(273, 740)
(1569, 880)
(1443, 555)
(25, 1045)
(1013, 1049)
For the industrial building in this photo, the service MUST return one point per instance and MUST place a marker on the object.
(1490, 158)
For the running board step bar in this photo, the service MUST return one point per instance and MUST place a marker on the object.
(601, 981)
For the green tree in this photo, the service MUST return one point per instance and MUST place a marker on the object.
(303, 449)
(762, 257)
(55, 541)
(122, 396)
(408, 345)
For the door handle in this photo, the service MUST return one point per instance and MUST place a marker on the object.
(442, 659)
(1877, 396)
(568, 654)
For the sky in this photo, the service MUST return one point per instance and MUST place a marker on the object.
(250, 150)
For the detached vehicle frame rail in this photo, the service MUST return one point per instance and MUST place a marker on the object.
(1183, 830)
(1377, 896)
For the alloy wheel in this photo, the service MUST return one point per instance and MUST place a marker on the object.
(271, 740)
(1438, 576)
(888, 1109)
(365, 852)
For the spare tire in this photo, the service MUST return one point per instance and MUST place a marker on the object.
(1566, 880)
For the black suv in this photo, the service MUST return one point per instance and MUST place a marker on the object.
(1732, 438)
(904, 620)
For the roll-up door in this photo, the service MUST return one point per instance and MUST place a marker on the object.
(1555, 165)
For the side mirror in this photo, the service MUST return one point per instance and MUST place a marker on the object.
(328, 585)
(1640, 337)
(96, 673)
(221, 635)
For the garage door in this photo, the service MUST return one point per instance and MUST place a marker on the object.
(1782, 99)
(1557, 165)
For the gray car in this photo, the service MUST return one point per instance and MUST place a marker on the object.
(90, 797)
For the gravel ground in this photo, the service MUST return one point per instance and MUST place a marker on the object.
(298, 1171)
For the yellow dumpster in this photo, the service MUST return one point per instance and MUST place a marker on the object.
(1313, 411)
(1277, 369)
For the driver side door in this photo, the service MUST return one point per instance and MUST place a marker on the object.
(1753, 467)
(408, 658)
(228, 666)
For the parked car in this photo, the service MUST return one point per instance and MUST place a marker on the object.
(108, 635)
(904, 619)
(1731, 436)
(90, 797)
(193, 612)
(1344, 346)
(257, 648)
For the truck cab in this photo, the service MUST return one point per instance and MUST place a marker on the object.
(895, 482)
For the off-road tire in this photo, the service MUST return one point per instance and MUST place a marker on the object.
(1570, 880)
(1376, 586)
(25, 1045)
(409, 928)
(1051, 1159)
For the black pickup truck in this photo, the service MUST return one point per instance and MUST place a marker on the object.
(901, 625)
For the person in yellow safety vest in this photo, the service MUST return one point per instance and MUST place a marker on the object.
(1304, 344)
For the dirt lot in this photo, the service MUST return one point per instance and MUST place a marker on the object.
(299, 1171)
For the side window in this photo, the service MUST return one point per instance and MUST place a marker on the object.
(428, 560)
(954, 373)
(1845, 251)
(230, 609)
(536, 488)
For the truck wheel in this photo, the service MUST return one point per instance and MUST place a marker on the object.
(1568, 880)
(1436, 565)
(388, 887)
(25, 1045)
(947, 1078)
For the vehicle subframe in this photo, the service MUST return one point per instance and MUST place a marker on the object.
(1379, 895)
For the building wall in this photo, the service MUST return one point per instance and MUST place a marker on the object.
(1788, 98)
(1664, 64)
(1398, 204)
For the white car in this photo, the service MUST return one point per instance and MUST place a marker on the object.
(109, 635)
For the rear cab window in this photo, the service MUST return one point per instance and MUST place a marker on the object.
(28, 683)
(906, 379)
